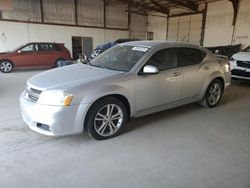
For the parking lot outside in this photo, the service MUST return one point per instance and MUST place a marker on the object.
(189, 146)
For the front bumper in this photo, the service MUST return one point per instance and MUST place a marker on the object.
(53, 120)
(239, 72)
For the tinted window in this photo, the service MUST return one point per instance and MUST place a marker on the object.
(164, 59)
(57, 47)
(45, 47)
(189, 56)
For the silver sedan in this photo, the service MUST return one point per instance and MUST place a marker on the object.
(129, 80)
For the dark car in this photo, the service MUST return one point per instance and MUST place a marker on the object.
(34, 55)
(101, 48)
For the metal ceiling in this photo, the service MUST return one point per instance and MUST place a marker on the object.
(170, 7)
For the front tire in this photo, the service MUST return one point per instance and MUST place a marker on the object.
(106, 118)
(213, 94)
(6, 66)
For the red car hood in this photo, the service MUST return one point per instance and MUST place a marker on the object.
(4, 54)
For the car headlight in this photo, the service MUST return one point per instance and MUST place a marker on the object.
(55, 98)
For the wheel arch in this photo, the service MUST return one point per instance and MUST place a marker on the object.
(120, 97)
(214, 76)
(220, 78)
(12, 62)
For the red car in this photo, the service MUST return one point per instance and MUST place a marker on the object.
(34, 55)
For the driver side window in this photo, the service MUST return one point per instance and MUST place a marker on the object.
(164, 59)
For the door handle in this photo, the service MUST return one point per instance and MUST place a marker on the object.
(176, 74)
(206, 68)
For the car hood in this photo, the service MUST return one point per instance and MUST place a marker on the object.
(69, 76)
(5, 53)
(242, 56)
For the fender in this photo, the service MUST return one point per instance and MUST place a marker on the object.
(88, 99)
(214, 75)
(109, 90)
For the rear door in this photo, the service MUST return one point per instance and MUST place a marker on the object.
(47, 54)
(195, 70)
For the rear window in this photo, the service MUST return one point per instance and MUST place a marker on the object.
(189, 56)
(58, 47)
(45, 47)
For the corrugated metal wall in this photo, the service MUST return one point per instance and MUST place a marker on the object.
(158, 25)
(138, 26)
(219, 29)
(185, 29)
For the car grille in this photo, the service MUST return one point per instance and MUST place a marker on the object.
(245, 64)
(32, 94)
(240, 73)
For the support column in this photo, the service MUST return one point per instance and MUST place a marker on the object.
(203, 26)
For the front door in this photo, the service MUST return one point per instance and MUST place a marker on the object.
(26, 55)
(163, 88)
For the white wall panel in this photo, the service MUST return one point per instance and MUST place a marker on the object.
(195, 29)
(183, 33)
(51, 33)
(138, 26)
(242, 29)
(9, 39)
(173, 28)
(185, 29)
(158, 25)
(219, 29)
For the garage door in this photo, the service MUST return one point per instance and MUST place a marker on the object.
(185, 29)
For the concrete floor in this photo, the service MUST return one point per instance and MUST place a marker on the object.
(190, 147)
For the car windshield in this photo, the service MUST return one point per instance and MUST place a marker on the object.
(17, 48)
(120, 57)
(247, 49)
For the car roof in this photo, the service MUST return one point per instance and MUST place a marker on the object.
(43, 43)
(159, 43)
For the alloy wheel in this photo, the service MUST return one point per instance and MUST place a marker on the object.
(108, 120)
(6, 66)
(214, 93)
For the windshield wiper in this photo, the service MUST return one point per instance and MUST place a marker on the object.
(101, 66)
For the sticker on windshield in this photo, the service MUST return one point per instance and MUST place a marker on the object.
(141, 49)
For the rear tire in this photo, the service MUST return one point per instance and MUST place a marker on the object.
(106, 118)
(58, 62)
(6, 66)
(213, 94)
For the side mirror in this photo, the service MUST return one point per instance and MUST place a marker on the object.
(150, 69)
